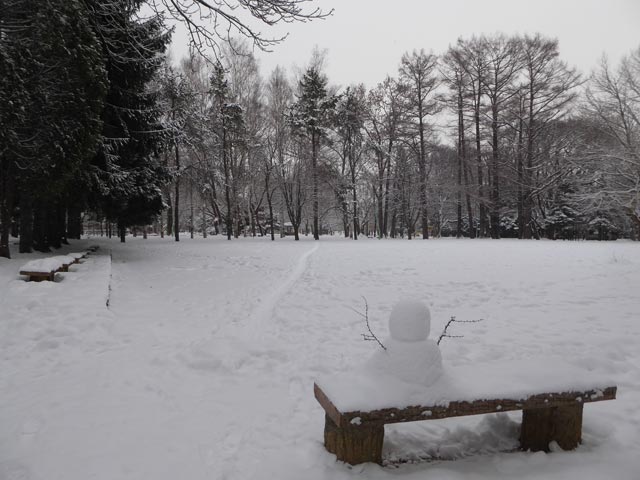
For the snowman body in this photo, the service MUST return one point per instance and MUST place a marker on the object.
(410, 355)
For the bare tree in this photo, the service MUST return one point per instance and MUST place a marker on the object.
(386, 112)
(418, 71)
(503, 65)
(613, 105)
(472, 58)
(279, 97)
(214, 23)
(460, 85)
(549, 87)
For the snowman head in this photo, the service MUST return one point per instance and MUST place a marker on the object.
(410, 321)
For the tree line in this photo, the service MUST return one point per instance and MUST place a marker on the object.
(82, 126)
(496, 137)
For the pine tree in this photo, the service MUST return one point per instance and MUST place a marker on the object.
(55, 82)
(228, 122)
(311, 116)
(127, 175)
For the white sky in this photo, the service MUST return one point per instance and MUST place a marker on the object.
(366, 38)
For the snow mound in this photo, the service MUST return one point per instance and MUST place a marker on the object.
(50, 264)
(410, 321)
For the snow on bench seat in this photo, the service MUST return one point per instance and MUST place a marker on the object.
(42, 268)
(46, 268)
(550, 392)
(65, 262)
(77, 256)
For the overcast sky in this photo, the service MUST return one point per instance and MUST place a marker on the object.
(365, 39)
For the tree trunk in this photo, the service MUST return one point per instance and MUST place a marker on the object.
(472, 229)
(227, 180)
(345, 216)
(271, 221)
(519, 169)
(283, 202)
(423, 174)
(387, 185)
(74, 222)
(62, 223)
(26, 224)
(269, 193)
(494, 214)
(176, 206)
(122, 232)
(204, 220)
(52, 225)
(191, 220)
(461, 161)
(41, 243)
(482, 214)
(527, 200)
(355, 204)
(314, 173)
(169, 215)
(6, 209)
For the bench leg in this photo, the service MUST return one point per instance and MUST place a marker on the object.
(541, 426)
(354, 444)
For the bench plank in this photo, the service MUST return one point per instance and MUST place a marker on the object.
(38, 276)
(462, 408)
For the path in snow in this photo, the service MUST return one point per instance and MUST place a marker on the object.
(263, 313)
(227, 365)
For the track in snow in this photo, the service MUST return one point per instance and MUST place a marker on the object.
(265, 309)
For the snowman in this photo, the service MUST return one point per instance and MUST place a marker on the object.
(410, 355)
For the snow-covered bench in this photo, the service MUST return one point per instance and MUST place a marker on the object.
(42, 268)
(46, 268)
(65, 262)
(550, 393)
(77, 256)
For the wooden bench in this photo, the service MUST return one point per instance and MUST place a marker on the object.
(42, 269)
(77, 256)
(46, 268)
(39, 275)
(356, 435)
(65, 262)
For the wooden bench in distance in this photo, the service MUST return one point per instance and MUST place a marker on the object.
(357, 408)
(77, 256)
(65, 262)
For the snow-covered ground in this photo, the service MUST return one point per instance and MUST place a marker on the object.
(202, 365)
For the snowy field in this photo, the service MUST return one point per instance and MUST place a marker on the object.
(203, 363)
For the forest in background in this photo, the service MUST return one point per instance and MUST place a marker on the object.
(496, 137)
